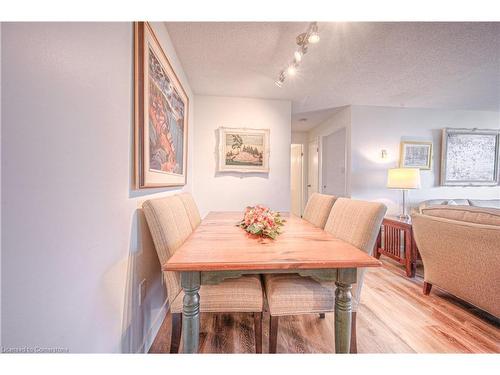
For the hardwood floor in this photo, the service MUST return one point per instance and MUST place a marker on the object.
(394, 317)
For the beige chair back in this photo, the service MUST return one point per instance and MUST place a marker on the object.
(358, 223)
(318, 208)
(191, 209)
(170, 226)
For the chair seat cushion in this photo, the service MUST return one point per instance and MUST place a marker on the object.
(290, 294)
(243, 294)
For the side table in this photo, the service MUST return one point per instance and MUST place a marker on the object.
(395, 240)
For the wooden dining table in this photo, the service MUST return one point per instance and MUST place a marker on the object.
(218, 249)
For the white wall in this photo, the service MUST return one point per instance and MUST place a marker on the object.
(341, 119)
(74, 245)
(300, 138)
(235, 191)
(0, 184)
(377, 128)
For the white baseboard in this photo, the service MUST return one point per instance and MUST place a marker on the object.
(155, 327)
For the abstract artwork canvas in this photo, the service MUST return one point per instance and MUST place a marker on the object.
(415, 155)
(161, 115)
(243, 150)
(470, 157)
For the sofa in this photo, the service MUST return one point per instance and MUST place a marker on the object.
(460, 250)
(487, 203)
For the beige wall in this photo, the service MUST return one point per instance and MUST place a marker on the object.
(75, 247)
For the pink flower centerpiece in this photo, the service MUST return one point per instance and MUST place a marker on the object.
(261, 221)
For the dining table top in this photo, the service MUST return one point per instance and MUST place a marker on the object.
(218, 244)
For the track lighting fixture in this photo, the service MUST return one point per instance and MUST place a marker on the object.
(281, 79)
(313, 35)
(310, 36)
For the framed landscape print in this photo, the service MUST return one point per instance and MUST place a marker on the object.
(161, 115)
(243, 150)
(415, 155)
(470, 157)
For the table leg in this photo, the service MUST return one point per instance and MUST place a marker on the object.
(343, 309)
(190, 282)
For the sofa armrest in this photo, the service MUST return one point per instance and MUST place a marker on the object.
(462, 258)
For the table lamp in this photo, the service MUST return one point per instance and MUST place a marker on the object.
(403, 179)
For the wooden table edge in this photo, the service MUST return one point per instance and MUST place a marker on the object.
(265, 266)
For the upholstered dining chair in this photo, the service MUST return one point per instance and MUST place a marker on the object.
(318, 208)
(191, 209)
(170, 222)
(356, 222)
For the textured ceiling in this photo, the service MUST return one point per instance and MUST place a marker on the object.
(305, 121)
(429, 65)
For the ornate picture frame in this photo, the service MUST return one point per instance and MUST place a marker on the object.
(415, 154)
(470, 157)
(243, 150)
(161, 111)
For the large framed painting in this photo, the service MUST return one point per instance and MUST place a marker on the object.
(470, 157)
(161, 115)
(243, 150)
(414, 154)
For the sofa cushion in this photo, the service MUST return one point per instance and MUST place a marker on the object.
(448, 202)
(493, 203)
(487, 216)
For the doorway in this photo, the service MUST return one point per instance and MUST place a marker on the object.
(333, 163)
(297, 178)
(312, 168)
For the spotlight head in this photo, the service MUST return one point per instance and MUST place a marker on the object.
(297, 55)
(291, 70)
(313, 33)
(313, 38)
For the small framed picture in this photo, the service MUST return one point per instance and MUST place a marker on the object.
(243, 150)
(415, 155)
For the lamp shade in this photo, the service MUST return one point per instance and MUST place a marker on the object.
(403, 178)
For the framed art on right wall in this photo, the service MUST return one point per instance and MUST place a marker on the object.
(470, 157)
(415, 155)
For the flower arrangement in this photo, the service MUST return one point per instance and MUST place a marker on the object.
(261, 221)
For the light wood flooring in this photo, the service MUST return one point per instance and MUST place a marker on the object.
(394, 317)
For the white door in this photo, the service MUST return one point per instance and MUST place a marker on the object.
(312, 169)
(333, 163)
(296, 178)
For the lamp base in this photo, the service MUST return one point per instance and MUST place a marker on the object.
(404, 217)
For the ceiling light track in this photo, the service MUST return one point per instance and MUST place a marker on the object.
(310, 36)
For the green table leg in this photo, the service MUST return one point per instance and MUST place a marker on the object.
(343, 309)
(190, 282)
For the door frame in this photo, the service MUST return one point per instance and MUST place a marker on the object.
(301, 178)
(317, 142)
